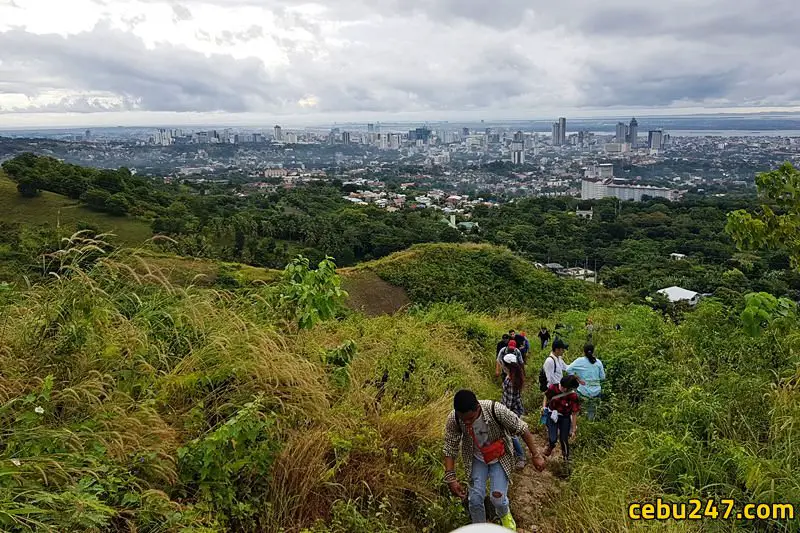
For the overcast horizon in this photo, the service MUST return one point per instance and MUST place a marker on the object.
(243, 62)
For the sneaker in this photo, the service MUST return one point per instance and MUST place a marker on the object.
(521, 463)
(508, 522)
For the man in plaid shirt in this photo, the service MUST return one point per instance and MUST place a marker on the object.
(483, 431)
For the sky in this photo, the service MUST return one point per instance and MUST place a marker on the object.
(143, 62)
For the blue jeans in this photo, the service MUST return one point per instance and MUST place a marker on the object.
(559, 431)
(519, 453)
(591, 406)
(481, 472)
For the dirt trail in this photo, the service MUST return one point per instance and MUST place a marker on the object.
(532, 490)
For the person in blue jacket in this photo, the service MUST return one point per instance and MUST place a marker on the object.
(590, 372)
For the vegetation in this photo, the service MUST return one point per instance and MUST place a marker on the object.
(130, 403)
(481, 277)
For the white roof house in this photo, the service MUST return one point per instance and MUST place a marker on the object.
(677, 294)
(677, 257)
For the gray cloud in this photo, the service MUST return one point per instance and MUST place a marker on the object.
(165, 78)
(444, 55)
(181, 12)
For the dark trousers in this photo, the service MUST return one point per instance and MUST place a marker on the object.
(559, 431)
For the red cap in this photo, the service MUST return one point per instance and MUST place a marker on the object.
(512, 344)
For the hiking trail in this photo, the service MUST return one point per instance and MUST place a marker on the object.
(532, 490)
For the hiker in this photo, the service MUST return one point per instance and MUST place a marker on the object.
(499, 367)
(589, 330)
(544, 336)
(522, 344)
(590, 372)
(483, 430)
(561, 406)
(554, 366)
(503, 343)
(513, 383)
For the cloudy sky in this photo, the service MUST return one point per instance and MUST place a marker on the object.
(65, 62)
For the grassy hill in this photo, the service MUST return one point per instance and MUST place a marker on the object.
(129, 405)
(56, 210)
(481, 276)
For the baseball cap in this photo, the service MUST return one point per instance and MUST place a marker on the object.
(512, 344)
(559, 343)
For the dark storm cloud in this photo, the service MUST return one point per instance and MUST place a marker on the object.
(165, 78)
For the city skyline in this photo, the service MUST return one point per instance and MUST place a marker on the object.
(147, 62)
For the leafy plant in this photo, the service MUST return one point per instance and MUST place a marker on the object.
(309, 295)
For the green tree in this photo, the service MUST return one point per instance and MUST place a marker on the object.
(776, 224)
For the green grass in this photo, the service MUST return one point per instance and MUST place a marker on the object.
(56, 210)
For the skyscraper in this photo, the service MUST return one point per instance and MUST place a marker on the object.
(557, 133)
(370, 128)
(519, 137)
(634, 132)
(655, 139)
(345, 137)
(465, 132)
(517, 153)
(278, 133)
(620, 137)
(562, 128)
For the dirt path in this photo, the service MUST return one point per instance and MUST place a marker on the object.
(532, 490)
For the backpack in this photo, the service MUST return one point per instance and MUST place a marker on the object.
(543, 375)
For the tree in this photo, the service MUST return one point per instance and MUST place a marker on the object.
(118, 204)
(28, 187)
(95, 199)
(776, 225)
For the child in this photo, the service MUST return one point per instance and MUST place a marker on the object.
(561, 406)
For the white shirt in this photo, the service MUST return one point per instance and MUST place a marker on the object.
(554, 370)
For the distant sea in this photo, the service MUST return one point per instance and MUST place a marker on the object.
(733, 133)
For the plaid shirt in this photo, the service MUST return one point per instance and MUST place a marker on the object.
(512, 398)
(456, 435)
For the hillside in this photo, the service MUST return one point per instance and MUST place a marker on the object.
(131, 405)
(55, 210)
(480, 276)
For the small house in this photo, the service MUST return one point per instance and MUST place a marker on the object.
(678, 294)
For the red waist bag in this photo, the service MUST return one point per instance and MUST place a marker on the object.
(494, 450)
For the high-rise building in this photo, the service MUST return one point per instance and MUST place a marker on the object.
(346, 137)
(633, 130)
(518, 150)
(519, 137)
(277, 133)
(562, 128)
(655, 139)
(556, 134)
(620, 137)
(88, 136)
(370, 128)
(465, 132)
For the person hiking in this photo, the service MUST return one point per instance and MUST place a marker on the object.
(522, 344)
(589, 330)
(482, 430)
(590, 372)
(513, 383)
(499, 367)
(561, 406)
(544, 336)
(503, 343)
(554, 366)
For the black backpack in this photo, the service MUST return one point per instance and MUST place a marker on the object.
(543, 377)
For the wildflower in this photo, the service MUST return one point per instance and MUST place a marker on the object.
(39, 410)
(16, 462)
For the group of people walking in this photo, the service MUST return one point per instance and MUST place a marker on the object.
(489, 434)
